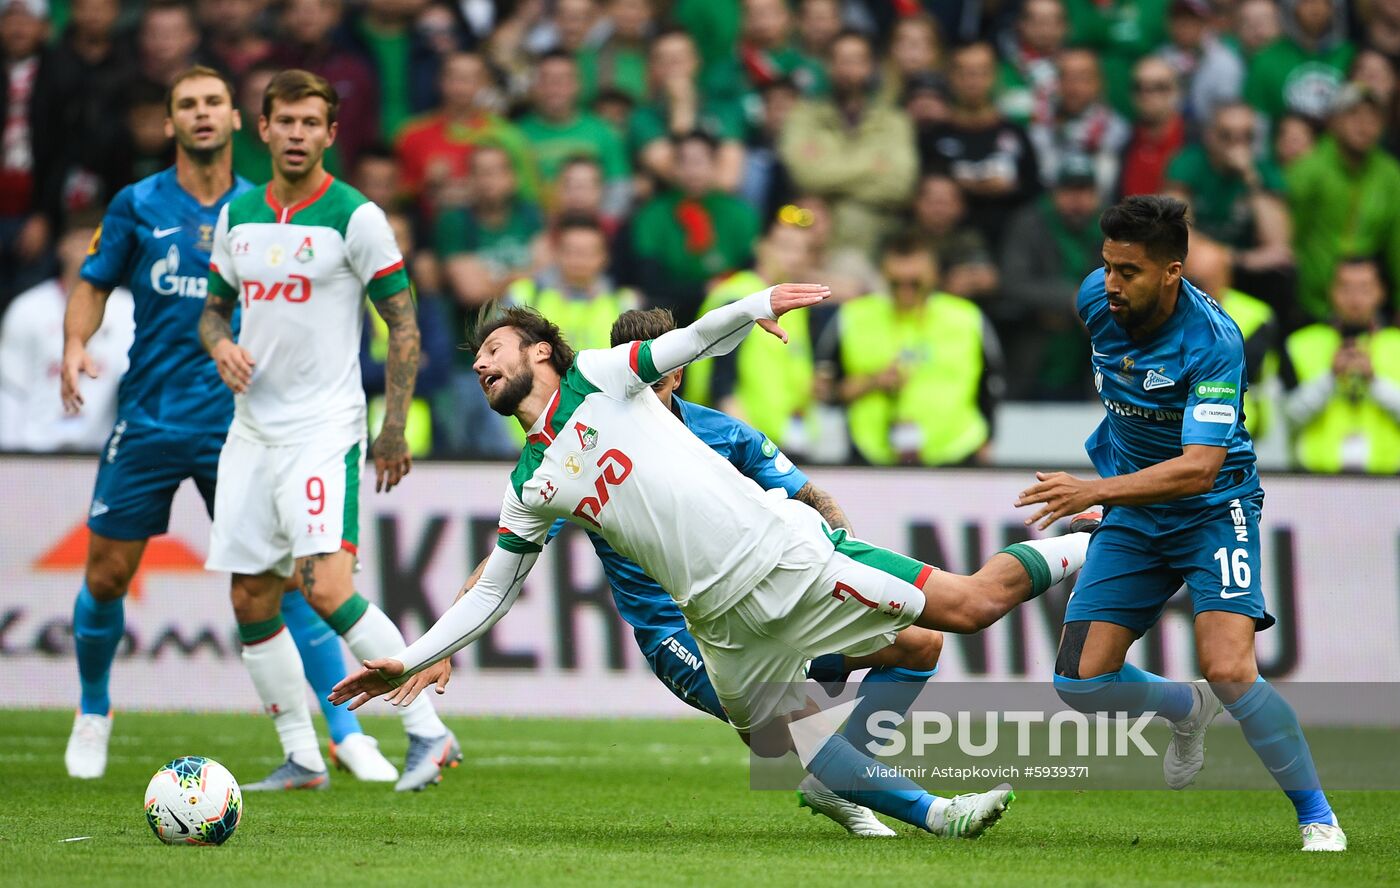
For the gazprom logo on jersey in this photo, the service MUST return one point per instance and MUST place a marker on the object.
(167, 281)
(1221, 413)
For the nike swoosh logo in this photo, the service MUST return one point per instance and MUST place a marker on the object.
(164, 232)
(184, 830)
(1224, 594)
(1097, 353)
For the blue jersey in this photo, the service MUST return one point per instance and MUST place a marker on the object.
(155, 240)
(641, 601)
(1182, 385)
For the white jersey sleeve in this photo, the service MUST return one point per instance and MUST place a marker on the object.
(373, 251)
(522, 529)
(616, 371)
(223, 275)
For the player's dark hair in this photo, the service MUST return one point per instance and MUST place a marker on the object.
(638, 324)
(904, 243)
(294, 84)
(533, 327)
(558, 54)
(695, 135)
(1153, 220)
(191, 74)
(580, 222)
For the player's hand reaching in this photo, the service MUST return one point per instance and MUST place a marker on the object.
(76, 360)
(370, 682)
(439, 674)
(235, 365)
(786, 297)
(392, 461)
(1062, 495)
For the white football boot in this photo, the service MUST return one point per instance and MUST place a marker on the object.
(86, 755)
(969, 815)
(1323, 837)
(1186, 753)
(426, 758)
(359, 754)
(857, 820)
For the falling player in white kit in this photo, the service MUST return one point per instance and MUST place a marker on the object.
(301, 254)
(763, 583)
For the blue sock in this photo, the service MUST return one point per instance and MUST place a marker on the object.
(98, 627)
(321, 660)
(1272, 729)
(846, 771)
(828, 669)
(889, 688)
(1130, 690)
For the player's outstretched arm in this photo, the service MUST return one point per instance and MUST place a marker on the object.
(82, 317)
(720, 331)
(1062, 495)
(825, 505)
(391, 457)
(440, 673)
(234, 362)
(470, 618)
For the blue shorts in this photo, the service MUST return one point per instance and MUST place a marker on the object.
(141, 468)
(1139, 557)
(677, 662)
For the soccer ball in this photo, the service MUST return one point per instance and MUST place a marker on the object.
(193, 801)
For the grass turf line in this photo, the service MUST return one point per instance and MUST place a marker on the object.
(541, 801)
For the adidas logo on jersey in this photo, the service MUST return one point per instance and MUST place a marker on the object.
(1155, 380)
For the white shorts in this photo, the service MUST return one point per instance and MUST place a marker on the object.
(853, 603)
(276, 503)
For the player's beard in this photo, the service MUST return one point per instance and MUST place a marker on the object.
(203, 156)
(507, 399)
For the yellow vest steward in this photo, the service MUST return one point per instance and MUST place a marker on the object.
(1249, 314)
(774, 380)
(585, 323)
(418, 431)
(1318, 445)
(940, 348)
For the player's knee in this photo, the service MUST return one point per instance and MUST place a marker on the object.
(254, 600)
(920, 650)
(108, 577)
(770, 740)
(1067, 659)
(1230, 670)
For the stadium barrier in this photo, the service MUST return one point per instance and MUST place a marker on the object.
(1331, 571)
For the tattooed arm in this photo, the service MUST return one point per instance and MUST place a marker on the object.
(391, 458)
(216, 332)
(825, 504)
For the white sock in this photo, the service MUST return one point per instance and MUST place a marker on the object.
(275, 667)
(1063, 554)
(375, 635)
(937, 813)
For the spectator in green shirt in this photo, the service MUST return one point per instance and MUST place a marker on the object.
(492, 241)
(620, 61)
(685, 237)
(1301, 70)
(1027, 77)
(1237, 199)
(558, 130)
(678, 106)
(1345, 198)
(767, 51)
(1120, 32)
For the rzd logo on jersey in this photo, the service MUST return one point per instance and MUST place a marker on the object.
(167, 281)
(297, 289)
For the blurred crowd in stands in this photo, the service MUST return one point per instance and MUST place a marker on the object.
(940, 163)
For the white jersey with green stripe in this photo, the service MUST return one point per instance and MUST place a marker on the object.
(301, 274)
(607, 455)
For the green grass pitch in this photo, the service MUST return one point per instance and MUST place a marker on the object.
(619, 802)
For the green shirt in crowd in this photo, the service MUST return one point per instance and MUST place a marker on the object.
(1123, 31)
(391, 64)
(713, 24)
(1220, 199)
(1337, 212)
(587, 135)
(618, 67)
(695, 240)
(1284, 76)
(723, 120)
